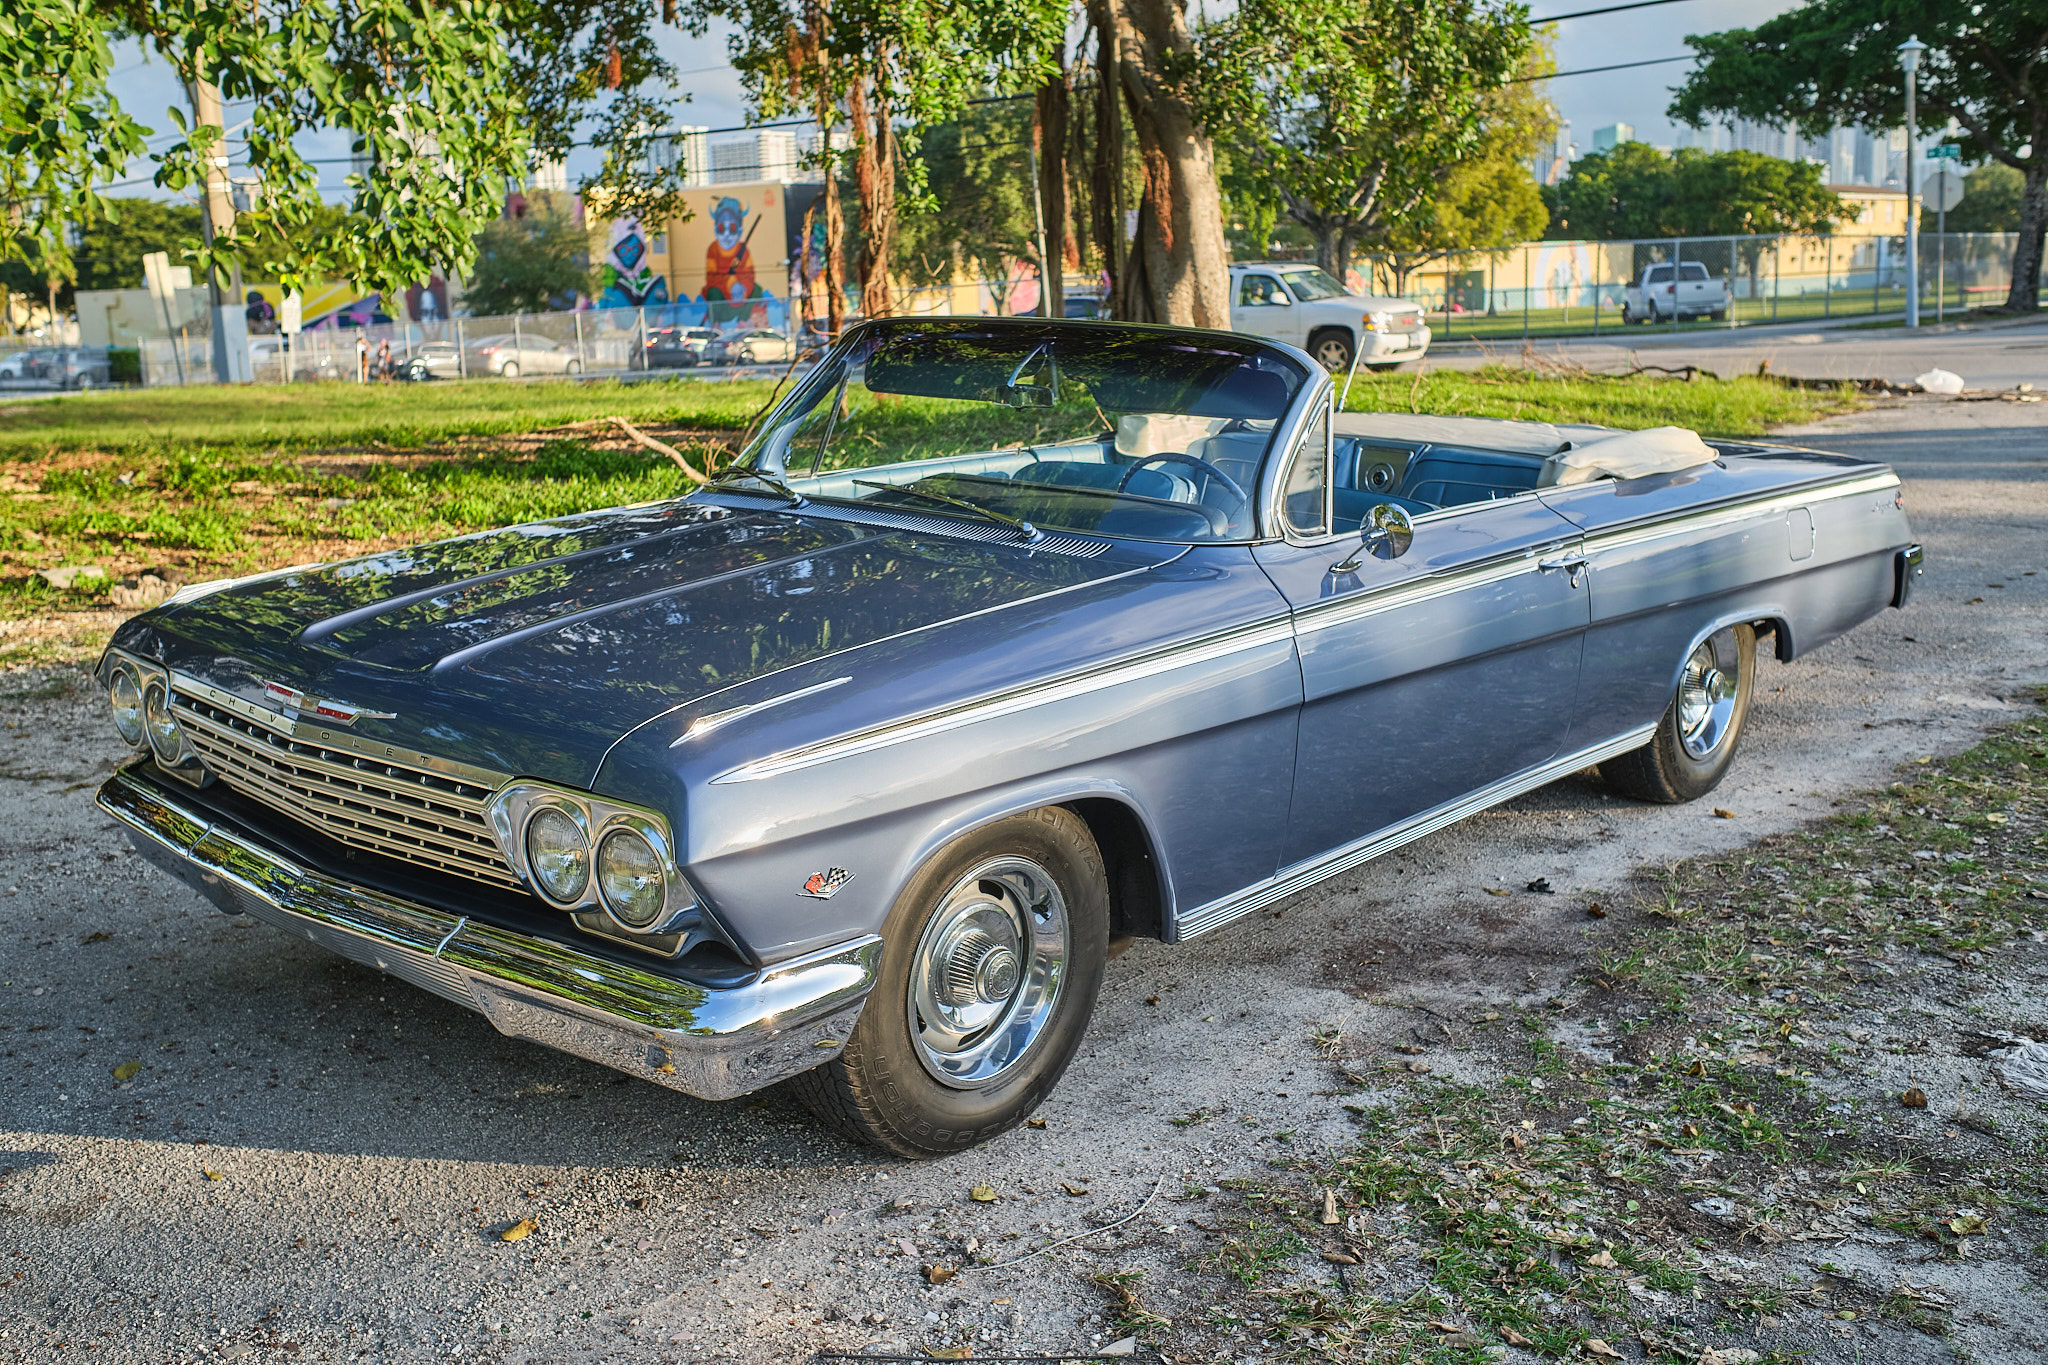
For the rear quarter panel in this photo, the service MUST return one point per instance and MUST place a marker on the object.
(1805, 542)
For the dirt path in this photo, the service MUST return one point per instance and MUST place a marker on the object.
(310, 1156)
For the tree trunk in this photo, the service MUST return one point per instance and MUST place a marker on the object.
(875, 174)
(2025, 294)
(835, 221)
(1106, 170)
(1186, 261)
(1341, 258)
(1049, 132)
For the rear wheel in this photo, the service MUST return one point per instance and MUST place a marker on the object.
(992, 958)
(1332, 348)
(1696, 740)
(573, 367)
(509, 370)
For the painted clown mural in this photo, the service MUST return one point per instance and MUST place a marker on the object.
(730, 293)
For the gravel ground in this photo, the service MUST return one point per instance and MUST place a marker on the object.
(312, 1161)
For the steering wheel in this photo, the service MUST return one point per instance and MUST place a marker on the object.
(1176, 457)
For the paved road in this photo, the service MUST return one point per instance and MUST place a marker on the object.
(1994, 355)
(311, 1154)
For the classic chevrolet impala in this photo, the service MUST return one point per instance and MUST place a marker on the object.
(1005, 641)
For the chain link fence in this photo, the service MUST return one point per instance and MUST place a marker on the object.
(1563, 289)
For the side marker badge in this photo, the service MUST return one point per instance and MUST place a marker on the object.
(823, 886)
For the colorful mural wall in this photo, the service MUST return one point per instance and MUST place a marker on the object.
(734, 263)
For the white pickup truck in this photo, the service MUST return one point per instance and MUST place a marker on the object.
(1656, 297)
(1309, 308)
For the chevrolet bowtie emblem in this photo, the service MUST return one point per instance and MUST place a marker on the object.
(295, 704)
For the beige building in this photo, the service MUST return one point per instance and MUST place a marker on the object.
(1879, 209)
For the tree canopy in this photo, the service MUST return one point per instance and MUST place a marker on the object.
(1354, 114)
(531, 263)
(1834, 63)
(1635, 190)
(450, 100)
(1990, 203)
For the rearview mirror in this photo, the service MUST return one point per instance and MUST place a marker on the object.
(1386, 533)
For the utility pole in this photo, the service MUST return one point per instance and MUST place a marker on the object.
(217, 217)
(1909, 58)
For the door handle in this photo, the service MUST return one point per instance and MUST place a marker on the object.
(1573, 564)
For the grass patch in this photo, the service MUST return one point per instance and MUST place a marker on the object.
(1746, 405)
(324, 416)
(1581, 1201)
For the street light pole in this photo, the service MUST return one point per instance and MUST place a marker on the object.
(1909, 58)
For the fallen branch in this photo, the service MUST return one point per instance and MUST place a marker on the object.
(659, 447)
(1690, 372)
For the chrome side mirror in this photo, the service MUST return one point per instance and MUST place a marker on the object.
(1386, 534)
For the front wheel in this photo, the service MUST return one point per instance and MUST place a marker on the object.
(992, 958)
(573, 367)
(509, 370)
(1696, 740)
(1332, 349)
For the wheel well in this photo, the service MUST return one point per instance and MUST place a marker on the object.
(1350, 336)
(1136, 905)
(1780, 636)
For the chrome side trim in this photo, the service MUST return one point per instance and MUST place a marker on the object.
(1708, 518)
(1340, 611)
(1273, 630)
(1307, 873)
(711, 1042)
(706, 724)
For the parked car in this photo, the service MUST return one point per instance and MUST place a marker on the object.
(747, 348)
(71, 367)
(509, 356)
(434, 360)
(14, 365)
(1309, 308)
(855, 766)
(1657, 297)
(678, 347)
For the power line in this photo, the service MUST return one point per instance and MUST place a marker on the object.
(1605, 9)
(1590, 70)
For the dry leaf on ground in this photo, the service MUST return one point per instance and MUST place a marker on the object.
(983, 1194)
(519, 1231)
(127, 1071)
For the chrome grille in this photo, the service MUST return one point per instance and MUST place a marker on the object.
(401, 812)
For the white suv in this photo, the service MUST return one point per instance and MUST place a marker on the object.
(1306, 306)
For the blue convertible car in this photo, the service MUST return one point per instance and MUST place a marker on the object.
(1004, 641)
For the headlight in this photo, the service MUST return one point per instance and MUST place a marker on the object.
(558, 854)
(1379, 322)
(166, 735)
(124, 695)
(629, 877)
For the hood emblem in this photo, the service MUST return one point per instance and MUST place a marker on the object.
(823, 886)
(296, 704)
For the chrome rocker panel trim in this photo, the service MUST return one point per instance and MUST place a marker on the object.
(1305, 874)
(714, 1043)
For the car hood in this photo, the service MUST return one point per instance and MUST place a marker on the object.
(532, 649)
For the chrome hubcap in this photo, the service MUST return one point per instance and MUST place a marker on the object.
(1334, 355)
(1706, 695)
(988, 971)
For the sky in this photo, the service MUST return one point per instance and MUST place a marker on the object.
(146, 86)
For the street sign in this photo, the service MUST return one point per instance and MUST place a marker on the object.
(290, 313)
(1941, 186)
(1945, 153)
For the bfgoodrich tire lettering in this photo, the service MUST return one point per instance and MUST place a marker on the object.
(1696, 740)
(883, 1087)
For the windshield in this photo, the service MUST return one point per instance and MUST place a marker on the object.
(1309, 285)
(1025, 424)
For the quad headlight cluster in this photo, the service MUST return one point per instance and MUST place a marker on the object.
(584, 853)
(139, 694)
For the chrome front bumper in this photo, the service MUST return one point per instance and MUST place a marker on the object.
(711, 1042)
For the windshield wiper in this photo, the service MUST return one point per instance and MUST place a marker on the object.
(734, 471)
(1031, 534)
